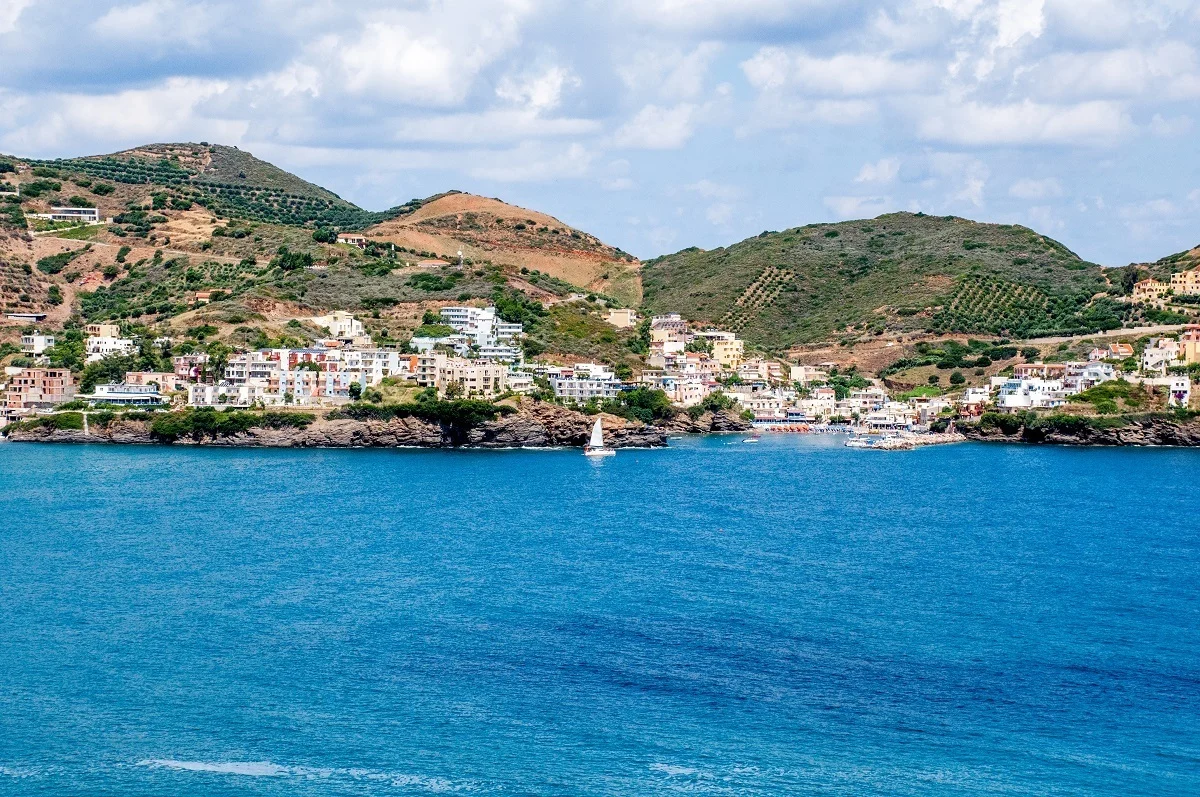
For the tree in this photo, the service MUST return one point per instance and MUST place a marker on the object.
(957, 378)
(218, 357)
(934, 379)
(455, 390)
(355, 391)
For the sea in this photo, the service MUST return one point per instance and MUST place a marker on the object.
(788, 617)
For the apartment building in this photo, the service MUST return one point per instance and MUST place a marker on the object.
(1186, 283)
(475, 377)
(38, 389)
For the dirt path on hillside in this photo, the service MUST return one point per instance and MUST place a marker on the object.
(1114, 333)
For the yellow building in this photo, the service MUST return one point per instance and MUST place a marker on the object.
(1189, 344)
(1186, 283)
(729, 352)
(622, 319)
(1150, 291)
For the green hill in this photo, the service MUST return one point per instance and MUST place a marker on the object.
(901, 271)
(225, 179)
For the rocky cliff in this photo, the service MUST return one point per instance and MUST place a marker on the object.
(533, 425)
(1133, 431)
(708, 423)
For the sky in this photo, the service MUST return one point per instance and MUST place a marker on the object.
(654, 124)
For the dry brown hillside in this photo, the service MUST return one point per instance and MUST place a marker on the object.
(488, 229)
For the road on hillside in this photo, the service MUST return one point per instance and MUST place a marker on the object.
(1113, 333)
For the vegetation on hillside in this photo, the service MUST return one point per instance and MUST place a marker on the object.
(900, 271)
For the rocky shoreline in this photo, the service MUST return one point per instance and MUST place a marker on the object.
(1133, 431)
(532, 425)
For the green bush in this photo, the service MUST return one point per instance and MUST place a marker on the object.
(206, 422)
(53, 264)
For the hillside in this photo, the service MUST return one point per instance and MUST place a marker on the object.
(206, 198)
(898, 272)
(488, 229)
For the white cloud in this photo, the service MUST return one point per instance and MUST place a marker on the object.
(668, 72)
(715, 16)
(1044, 219)
(858, 207)
(490, 126)
(1170, 128)
(720, 214)
(712, 190)
(170, 110)
(1194, 196)
(655, 127)
(1170, 69)
(159, 21)
(10, 12)
(1031, 189)
(979, 124)
(428, 58)
(883, 171)
(538, 91)
(532, 163)
(846, 74)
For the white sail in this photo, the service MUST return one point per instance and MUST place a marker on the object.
(597, 436)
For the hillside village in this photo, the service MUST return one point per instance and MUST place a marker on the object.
(168, 286)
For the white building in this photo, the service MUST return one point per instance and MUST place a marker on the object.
(1160, 355)
(97, 348)
(80, 215)
(1084, 376)
(36, 343)
(492, 337)
(1031, 393)
(584, 382)
(341, 325)
(126, 395)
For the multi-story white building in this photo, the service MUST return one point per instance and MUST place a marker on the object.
(36, 343)
(97, 348)
(1031, 393)
(488, 333)
(584, 382)
(1160, 355)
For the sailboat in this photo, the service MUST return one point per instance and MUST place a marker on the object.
(596, 447)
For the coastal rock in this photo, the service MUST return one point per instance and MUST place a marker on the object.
(708, 423)
(533, 425)
(1154, 431)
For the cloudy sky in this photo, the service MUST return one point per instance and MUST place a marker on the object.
(655, 124)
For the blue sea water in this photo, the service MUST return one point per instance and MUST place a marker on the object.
(717, 618)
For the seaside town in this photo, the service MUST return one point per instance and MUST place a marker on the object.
(480, 356)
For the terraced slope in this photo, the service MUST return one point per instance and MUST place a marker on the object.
(900, 271)
(490, 230)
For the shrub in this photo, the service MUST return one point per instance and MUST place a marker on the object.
(53, 264)
(102, 189)
(957, 378)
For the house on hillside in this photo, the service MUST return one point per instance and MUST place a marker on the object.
(353, 239)
(1186, 283)
(35, 343)
(1150, 291)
